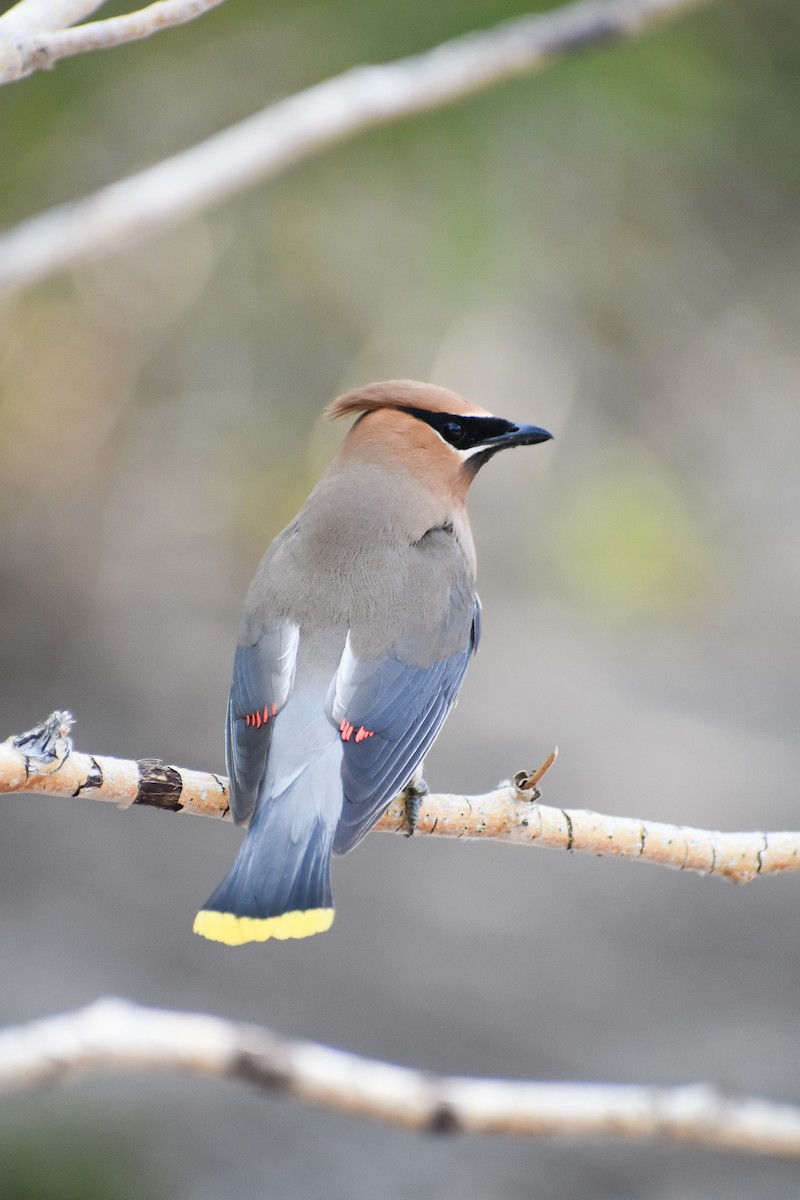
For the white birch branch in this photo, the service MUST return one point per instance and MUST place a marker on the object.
(43, 760)
(295, 128)
(35, 35)
(118, 1035)
(40, 16)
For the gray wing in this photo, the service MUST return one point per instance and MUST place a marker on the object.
(389, 713)
(263, 675)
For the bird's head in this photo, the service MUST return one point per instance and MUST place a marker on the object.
(427, 428)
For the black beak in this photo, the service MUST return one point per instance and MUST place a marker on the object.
(512, 435)
(523, 435)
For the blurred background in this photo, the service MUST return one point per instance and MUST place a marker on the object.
(610, 250)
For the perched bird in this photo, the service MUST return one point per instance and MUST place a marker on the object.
(356, 635)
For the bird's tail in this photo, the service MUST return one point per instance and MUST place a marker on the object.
(279, 885)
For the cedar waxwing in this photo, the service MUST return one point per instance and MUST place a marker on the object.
(356, 635)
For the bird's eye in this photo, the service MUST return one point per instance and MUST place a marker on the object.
(452, 431)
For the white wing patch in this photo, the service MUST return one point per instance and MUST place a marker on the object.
(343, 684)
(285, 663)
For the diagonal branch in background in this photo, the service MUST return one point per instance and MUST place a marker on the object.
(40, 16)
(34, 34)
(295, 128)
(43, 760)
(115, 1034)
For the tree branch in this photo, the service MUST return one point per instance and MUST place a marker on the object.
(295, 128)
(39, 16)
(43, 760)
(25, 22)
(115, 1034)
(35, 36)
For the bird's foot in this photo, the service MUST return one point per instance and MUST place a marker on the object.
(413, 795)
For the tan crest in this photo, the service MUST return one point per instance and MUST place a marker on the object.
(400, 393)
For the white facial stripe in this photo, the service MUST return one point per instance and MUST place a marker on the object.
(465, 454)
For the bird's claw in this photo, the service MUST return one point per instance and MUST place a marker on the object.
(413, 795)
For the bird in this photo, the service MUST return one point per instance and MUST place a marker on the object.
(356, 635)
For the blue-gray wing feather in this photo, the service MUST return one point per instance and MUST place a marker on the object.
(263, 675)
(400, 708)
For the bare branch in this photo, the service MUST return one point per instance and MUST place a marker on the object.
(37, 37)
(39, 16)
(115, 1034)
(43, 760)
(295, 128)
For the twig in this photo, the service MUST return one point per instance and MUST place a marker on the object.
(36, 36)
(43, 760)
(295, 128)
(39, 16)
(115, 1034)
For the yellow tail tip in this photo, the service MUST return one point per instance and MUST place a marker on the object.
(236, 931)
